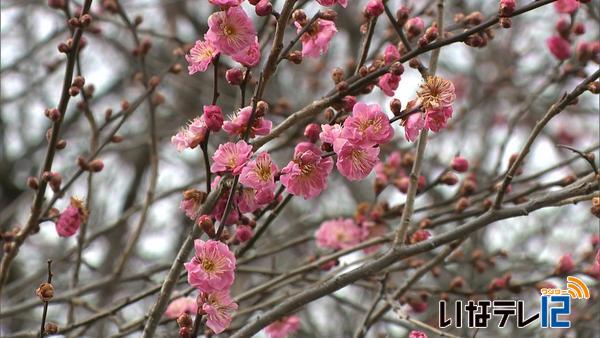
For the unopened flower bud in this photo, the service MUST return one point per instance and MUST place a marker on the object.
(596, 206)
(457, 282)
(579, 29)
(299, 16)
(185, 332)
(61, 144)
(263, 8)
(295, 57)
(594, 87)
(342, 86)
(505, 23)
(396, 106)
(468, 188)
(414, 63)
(414, 27)
(262, 108)
(50, 328)
(116, 139)
(507, 7)
(374, 8)
(397, 68)
(73, 22)
(63, 48)
(419, 236)
(96, 166)
(460, 164)
(74, 91)
(185, 320)
(431, 34)
(83, 163)
(45, 292)
(474, 18)
(53, 114)
(206, 224)
(56, 4)
(329, 15)
(425, 223)
(243, 233)
(402, 15)
(125, 105)
(312, 132)
(154, 81)
(55, 182)
(234, 76)
(449, 178)
(32, 183)
(462, 204)
(176, 68)
(337, 74)
(78, 81)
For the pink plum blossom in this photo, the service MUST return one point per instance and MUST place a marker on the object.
(259, 173)
(200, 56)
(180, 306)
(413, 125)
(460, 164)
(226, 3)
(388, 83)
(243, 233)
(329, 3)
(368, 125)
(213, 117)
(231, 157)
(190, 136)
(231, 31)
(71, 218)
(391, 54)
(249, 56)
(238, 123)
(283, 327)
(330, 133)
(436, 119)
(566, 6)
(355, 161)
(212, 268)
(316, 40)
(417, 334)
(306, 175)
(218, 307)
(565, 264)
(559, 47)
(339, 234)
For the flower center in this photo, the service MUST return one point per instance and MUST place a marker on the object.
(263, 171)
(208, 265)
(307, 169)
(229, 30)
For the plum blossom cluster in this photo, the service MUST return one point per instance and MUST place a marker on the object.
(356, 142)
(230, 32)
(434, 107)
(211, 272)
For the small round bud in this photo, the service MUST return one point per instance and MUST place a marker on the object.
(348, 102)
(158, 99)
(56, 4)
(55, 182)
(402, 15)
(594, 87)
(329, 15)
(96, 166)
(234, 76)
(468, 188)
(374, 8)
(185, 332)
(579, 29)
(108, 114)
(460, 164)
(462, 204)
(83, 163)
(79, 81)
(474, 18)
(253, 2)
(206, 224)
(397, 68)
(185, 320)
(176, 68)
(262, 108)
(263, 8)
(138, 20)
(61, 144)
(449, 179)
(50, 328)
(74, 91)
(596, 206)
(414, 63)
(53, 114)
(154, 81)
(342, 86)
(73, 22)
(299, 16)
(295, 57)
(32, 183)
(396, 107)
(45, 292)
(125, 105)
(116, 139)
(312, 132)
(85, 20)
(63, 48)
(505, 23)
(337, 74)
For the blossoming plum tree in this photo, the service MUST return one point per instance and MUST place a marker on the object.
(446, 123)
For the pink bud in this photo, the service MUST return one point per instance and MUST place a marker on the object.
(243, 233)
(234, 76)
(562, 26)
(421, 183)
(417, 334)
(460, 164)
(414, 27)
(349, 101)
(419, 236)
(565, 264)
(312, 132)
(213, 117)
(559, 47)
(96, 166)
(71, 218)
(579, 29)
(263, 8)
(374, 8)
(507, 7)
